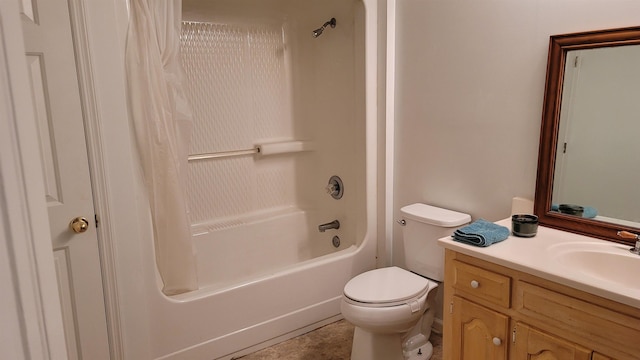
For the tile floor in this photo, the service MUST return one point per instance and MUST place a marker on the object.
(330, 342)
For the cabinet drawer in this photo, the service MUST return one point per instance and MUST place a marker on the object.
(475, 282)
(611, 330)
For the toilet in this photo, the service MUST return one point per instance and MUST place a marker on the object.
(391, 307)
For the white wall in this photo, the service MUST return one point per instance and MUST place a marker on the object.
(469, 89)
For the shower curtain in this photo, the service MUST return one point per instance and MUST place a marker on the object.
(162, 122)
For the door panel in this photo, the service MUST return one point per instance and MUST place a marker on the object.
(50, 168)
(57, 104)
(482, 332)
(532, 344)
(61, 263)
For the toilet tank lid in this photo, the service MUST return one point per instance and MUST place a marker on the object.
(434, 215)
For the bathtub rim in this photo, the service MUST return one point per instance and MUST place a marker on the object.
(319, 261)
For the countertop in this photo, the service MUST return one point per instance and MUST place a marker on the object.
(535, 256)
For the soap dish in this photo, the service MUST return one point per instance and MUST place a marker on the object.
(524, 225)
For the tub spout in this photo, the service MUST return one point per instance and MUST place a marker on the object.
(335, 224)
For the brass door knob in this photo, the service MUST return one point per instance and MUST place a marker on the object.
(79, 224)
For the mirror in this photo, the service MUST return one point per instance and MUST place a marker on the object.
(588, 178)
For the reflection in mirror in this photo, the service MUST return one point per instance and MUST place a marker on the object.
(597, 165)
(589, 156)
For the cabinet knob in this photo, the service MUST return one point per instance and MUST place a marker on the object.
(497, 341)
(474, 284)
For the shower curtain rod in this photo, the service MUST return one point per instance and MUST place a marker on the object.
(223, 154)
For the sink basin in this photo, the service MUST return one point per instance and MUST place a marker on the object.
(612, 263)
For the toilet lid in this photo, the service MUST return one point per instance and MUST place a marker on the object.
(386, 285)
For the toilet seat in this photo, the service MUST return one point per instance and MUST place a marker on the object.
(386, 287)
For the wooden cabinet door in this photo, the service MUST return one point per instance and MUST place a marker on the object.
(479, 333)
(532, 344)
(598, 356)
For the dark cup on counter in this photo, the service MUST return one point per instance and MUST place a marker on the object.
(524, 225)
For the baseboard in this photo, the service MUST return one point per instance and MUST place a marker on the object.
(437, 326)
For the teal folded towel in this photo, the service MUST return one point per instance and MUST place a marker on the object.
(481, 233)
(589, 212)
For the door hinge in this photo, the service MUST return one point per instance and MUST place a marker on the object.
(575, 62)
(95, 217)
(564, 148)
(513, 335)
(451, 307)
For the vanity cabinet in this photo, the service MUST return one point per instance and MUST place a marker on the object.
(493, 312)
(534, 344)
(597, 356)
(482, 329)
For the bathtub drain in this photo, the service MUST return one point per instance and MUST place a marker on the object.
(336, 241)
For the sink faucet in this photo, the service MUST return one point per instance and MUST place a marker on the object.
(631, 236)
(636, 249)
(335, 224)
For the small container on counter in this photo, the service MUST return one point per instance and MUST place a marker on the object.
(571, 209)
(524, 225)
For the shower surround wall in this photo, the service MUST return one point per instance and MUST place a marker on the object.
(238, 85)
(256, 76)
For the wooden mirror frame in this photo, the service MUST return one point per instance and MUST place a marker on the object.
(558, 47)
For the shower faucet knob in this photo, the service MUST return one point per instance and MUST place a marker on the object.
(335, 188)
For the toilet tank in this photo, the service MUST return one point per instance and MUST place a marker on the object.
(424, 225)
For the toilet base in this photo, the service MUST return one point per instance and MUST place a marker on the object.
(422, 353)
(370, 346)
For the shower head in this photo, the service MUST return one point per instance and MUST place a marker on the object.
(317, 32)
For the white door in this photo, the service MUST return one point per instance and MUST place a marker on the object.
(56, 97)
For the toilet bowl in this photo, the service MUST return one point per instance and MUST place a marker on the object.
(383, 314)
(392, 308)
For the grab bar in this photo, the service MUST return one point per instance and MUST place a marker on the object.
(266, 149)
(223, 154)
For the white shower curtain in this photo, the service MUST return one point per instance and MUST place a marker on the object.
(162, 121)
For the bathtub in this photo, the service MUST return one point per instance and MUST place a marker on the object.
(239, 250)
(265, 272)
